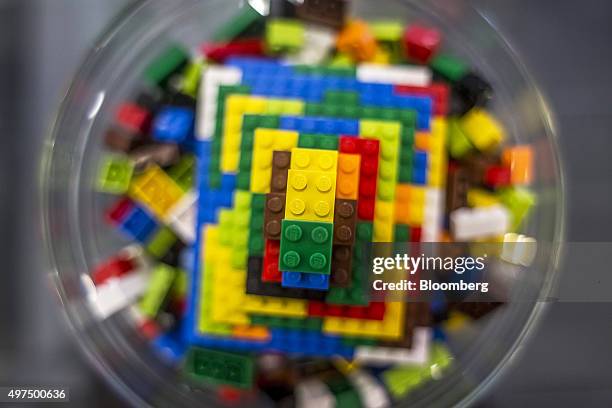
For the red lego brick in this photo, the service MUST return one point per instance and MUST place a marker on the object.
(374, 311)
(219, 52)
(421, 42)
(149, 329)
(112, 268)
(498, 176)
(117, 212)
(133, 118)
(439, 93)
(271, 273)
(415, 234)
(368, 149)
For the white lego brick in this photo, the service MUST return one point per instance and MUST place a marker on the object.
(433, 215)
(385, 74)
(417, 355)
(318, 44)
(484, 222)
(118, 293)
(519, 249)
(371, 393)
(213, 77)
(182, 217)
(313, 393)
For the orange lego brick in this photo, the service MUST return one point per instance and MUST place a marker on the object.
(347, 181)
(520, 161)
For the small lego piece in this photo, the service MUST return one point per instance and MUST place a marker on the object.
(421, 43)
(173, 124)
(274, 215)
(497, 176)
(520, 161)
(347, 181)
(284, 35)
(345, 222)
(121, 141)
(163, 155)
(474, 91)
(306, 246)
(318, 44)
(449, 67)
(169, 62)
(133, 119)
(158, 290)
(484, 131)
(331, 13)
(182, 216)
(162, 243)
(115, 175)
(357, 40)
(341, 270)
(519, 202)
(156, 190)
(114, 267)
(219, 52)
(138, 224)
(311, 195)
(116, 213)
(467, 224)
(270, 272)
(459, 145)
(221, 367)
(281, 162)
(315, 281)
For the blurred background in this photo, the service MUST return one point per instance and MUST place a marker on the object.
(565, 44)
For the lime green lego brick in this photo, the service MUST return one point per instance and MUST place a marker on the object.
(318, 141)
(240, 234)
(249, 124)
(246, 17)
(458, 143)
(449, 67)
(519, 202)
(387, 30)
(183, 172)
(191, 77)
(356, 293)
(307, 323)
(284, 34)
(342, 61)
(221, 367)
(226, 227)
(165, 64)
(341, 98)
(163, 240)
(256, 225)
(115, 175)
(180, 286)
(160, 283)
(206, 325)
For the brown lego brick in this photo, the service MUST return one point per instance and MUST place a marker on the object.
(274, 213)
(477, 166)
(328, 12)
(163, 155)
(345, 221)
(342, 257)
(281, 161)
(456, 188)
(121, 141)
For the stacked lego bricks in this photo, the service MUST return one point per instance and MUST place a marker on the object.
(253, 184)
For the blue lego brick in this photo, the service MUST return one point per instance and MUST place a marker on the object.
(309, 343)
(419, 167)
(419, 176)
(138, 224)
(259, 66)
(317, 281)
(320, 125)
(438, 334)
(211, 201)
(173, 124)
(171, 347)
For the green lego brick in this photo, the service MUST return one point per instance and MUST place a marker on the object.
(306, 246)
(519, 202)
(115, 175)
(249, 124)
(284, 34)
(166, 64)
(345, 394)
(221, 367)
(341, 98)
(183, 172)
(387, 30)
(246, 17)
(318, 141)
(180, 286)
(158, 289)
(356, 294)
(406, 154)
(307, 323)
(256, 225)
(357, 341)
(402, 233)
(449, 67)
(161, 243)
(458, 143)
(240, 235)
(343, 70)
(191, 77)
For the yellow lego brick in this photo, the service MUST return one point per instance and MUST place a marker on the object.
(390, 328)
(388, 133)
(310, 196)
(267, 141)
(272, 306)
(155, 190)
(347, 180)
(481, 198)
(384, 225)
(382, 57)
(314, 160)
(482, 129)
(416, 207)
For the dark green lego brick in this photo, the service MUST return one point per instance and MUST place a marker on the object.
(341, 98)
(220, 367)
(307, 323)
(405, 168)
(306, 246)
(256, 225)
(183, 172)
(345, 394)
(356, 294)
(318, 141)
(246, 17)
(170, 61)
(359, 341)
(326, 70)
(449, 67)
(402, 233)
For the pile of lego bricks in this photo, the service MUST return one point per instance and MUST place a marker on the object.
(252, 171)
